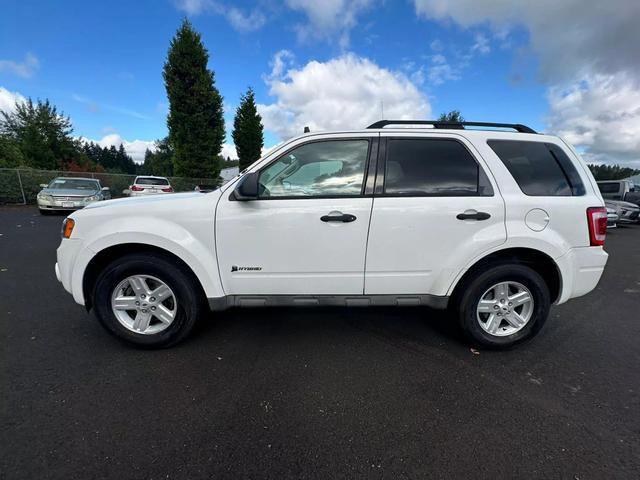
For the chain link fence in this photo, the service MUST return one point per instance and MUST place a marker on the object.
(21, 185)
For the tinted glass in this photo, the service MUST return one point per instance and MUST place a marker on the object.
(73, 183)
(432, 167)
(331, 168)
(151, 181)
(577, 187)
(609, 187)
(540, 169)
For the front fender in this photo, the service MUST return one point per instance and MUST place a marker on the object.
(196, 250)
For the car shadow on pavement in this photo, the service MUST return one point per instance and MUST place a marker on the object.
(397, 325)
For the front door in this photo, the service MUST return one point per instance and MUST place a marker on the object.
(434, 210)
(307, 231)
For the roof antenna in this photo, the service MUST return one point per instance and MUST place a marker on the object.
(306, 130)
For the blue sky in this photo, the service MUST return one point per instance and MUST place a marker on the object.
(101, 63)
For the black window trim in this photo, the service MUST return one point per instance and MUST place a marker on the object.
(371, 151)
(558, 162)
(382, 163)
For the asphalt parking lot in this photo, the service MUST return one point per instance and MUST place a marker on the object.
(336, 393)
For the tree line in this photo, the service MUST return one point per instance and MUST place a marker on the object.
(37, 135)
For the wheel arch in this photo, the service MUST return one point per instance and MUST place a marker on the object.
(107, 255)
(537, 260)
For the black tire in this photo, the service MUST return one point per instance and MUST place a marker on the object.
(470, 293)
(189, 296)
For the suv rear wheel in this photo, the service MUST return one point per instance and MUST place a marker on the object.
(147, 300)
(503, 306)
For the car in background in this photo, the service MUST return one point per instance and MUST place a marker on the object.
(70, 193)
(202, 188)
(612, 218)
(621, 190)
(627, 212)
(149, 185)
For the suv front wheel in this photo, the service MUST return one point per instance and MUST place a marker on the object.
(503, 306)
(147, 300)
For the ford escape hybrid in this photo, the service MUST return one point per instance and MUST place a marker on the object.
(493, 221)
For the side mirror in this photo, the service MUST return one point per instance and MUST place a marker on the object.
(126, 191)
(247, 188)
(43, 185)
(104, 189)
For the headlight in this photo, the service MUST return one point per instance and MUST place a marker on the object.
(45, 197)
(93, 198)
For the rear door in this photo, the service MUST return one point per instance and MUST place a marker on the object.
(435, 208)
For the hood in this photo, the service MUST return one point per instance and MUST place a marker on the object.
(69, 192)
(621, 204)
(146, 200)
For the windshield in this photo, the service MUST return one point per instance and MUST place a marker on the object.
(74, 184)
(151, 181)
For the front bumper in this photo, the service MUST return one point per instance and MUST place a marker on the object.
(68, 254)
(67, 204)
(628, 216)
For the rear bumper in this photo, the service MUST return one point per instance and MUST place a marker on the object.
(581, 270)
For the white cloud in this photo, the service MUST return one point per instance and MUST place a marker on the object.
(601, 114)
(192, 7)
(347, 92)
(481, 44)
(24, 69)
(239, 20)
(242, 22)
(229, 150)
(571, 36)
(440, 70)
(135, 148)
(8, 100)
(328, 19)
(95, 107)
(589, 59)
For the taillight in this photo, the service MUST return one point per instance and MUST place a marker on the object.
(597, 220)
(135, 188)
(167, 190)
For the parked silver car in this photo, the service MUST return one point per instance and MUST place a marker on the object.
(70, 193)
(627, 212)
(612, 218)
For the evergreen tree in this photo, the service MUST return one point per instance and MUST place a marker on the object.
(195, 121)
(612, 172)
(248, 131)
(42, 134)
(452, 116)
(158, 162)
(10, 154)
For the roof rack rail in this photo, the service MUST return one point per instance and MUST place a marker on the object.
(453, 125)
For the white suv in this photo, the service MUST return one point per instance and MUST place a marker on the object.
(149, 185)
(495, 225)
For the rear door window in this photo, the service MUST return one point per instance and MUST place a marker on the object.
(432, 167)
(540, 169)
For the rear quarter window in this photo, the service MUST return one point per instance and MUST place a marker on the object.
(540, 169)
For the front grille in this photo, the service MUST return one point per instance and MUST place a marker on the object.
(67, 199)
